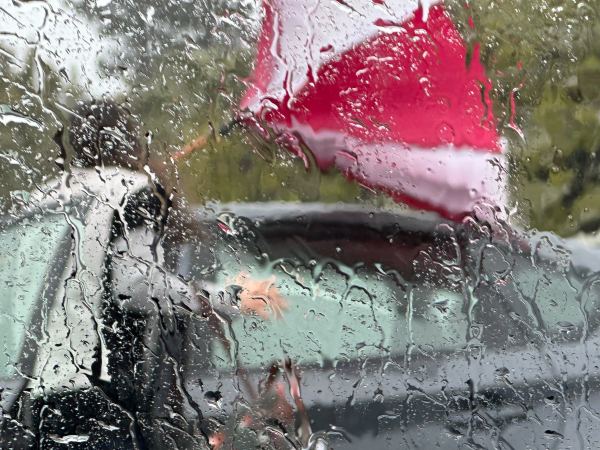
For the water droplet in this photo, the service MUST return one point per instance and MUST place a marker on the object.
(8, 116)
(446, 133)
(214, 398)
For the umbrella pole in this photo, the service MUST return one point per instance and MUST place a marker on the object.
(201, 140)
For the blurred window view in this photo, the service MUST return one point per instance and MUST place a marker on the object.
(299, 224)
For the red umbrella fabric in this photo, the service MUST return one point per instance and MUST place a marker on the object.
(383, 91)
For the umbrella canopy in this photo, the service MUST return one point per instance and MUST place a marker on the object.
(385, 92)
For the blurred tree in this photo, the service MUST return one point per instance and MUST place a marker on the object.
(185, 63)
(30, 121)
(543, 58)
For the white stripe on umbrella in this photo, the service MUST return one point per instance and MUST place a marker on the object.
(447, 179)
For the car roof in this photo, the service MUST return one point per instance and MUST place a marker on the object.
(265, 214)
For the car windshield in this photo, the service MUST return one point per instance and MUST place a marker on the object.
(309, 224)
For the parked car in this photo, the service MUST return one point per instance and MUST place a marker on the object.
(396, 329)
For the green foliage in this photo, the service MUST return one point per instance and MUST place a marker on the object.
(31, 96)
(195, 95)
(546, 54)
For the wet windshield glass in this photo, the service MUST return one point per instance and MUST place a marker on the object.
(312, 224)
(32, 260)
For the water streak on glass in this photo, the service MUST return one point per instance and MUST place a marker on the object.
(307, 224)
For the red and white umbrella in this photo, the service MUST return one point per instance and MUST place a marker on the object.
(383, 91)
